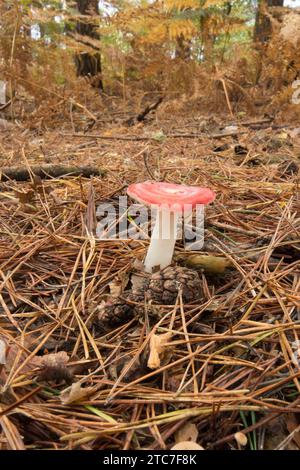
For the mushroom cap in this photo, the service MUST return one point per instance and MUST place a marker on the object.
(169, 195)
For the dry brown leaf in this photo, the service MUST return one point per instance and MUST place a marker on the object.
(157, 349)
(276, 433)
(55, 359)
(173, 383)
(6, 125)
(118, 285)
(56, 198)
(188, 432)
(292, 424)
(75, 393)
(137, 282)
(187, 445)
(54, 367)
(138, 265)
(25, 197)
(14, 351)
(115, 288)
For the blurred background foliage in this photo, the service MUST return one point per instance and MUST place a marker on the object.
(126, 47)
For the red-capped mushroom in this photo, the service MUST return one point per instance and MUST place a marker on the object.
(170, 200)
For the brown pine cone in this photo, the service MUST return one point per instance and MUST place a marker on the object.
(160, 288)
(164, 285)
(118, 311)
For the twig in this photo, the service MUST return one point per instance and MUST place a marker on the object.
(149, 171)
(168, 136)
(141, 116)
(48, 171)
(226, 96)
(6, 105)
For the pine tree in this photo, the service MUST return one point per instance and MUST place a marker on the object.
(89, 64)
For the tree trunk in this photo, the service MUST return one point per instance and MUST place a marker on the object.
(183, 48)
(89, 64)
(263, 26)
(263, 31)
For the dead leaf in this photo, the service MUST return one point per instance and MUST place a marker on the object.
(118, 285)
(210, 264)
(157, 349)
(138, 283)
(6, 125)
(25, 197)
(15, 356)
(292, 424)
(57, 200)
(138, 265)
(75, 393)
(188, 432)
(294, 133)
(55, 359)
(187, 445)
(128, 371)
(53, 367)
(115, 288)
(276, 433)
(173, 383)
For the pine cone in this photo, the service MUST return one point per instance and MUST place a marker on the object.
(116, 312)
(119, 311)
(164, 285)
(160, 288)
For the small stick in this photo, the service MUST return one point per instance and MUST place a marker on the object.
(168, 136)
(226, 96)
(257, 122)
(4, 106)
(47, 171)
(149, 171)
(142, 115)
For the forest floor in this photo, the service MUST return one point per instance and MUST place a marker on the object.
(232, 361)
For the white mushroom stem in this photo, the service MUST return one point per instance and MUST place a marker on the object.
(163, 239)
